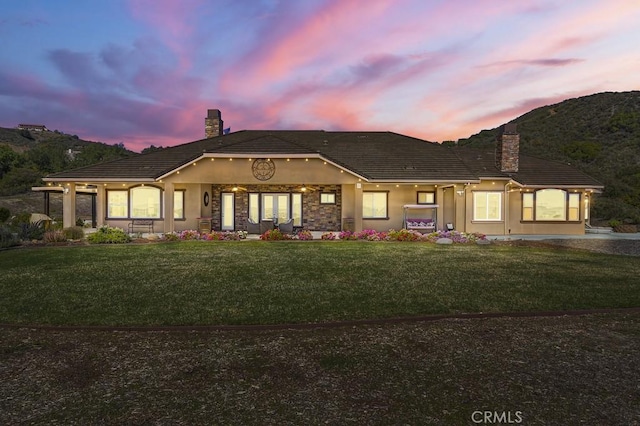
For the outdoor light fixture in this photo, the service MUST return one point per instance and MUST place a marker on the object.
(460, 192)
(304, 188)
(235, 188)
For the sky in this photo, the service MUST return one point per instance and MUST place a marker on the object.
(145, 72)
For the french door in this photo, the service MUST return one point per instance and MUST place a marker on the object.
(275, 206)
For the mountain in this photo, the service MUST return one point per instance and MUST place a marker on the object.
(26, 156)
(598, 134)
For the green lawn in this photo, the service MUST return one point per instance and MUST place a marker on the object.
(254, 282)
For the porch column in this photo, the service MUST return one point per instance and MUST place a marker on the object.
(169, 189)
(440, 221)
(357, 213)
(101, 205)
(69, 205)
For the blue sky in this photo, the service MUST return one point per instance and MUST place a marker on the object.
(144, 72)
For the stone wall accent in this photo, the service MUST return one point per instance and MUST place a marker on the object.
(315, 216)
(508, 149)
(213, 123)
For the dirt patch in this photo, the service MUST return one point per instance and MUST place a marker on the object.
(556, 370)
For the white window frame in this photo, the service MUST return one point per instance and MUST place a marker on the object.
(477, 195)
(372, 204)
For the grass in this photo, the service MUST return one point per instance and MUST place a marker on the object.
(189, 283)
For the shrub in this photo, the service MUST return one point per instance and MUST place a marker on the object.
(304, 235)
(171, 236)
(274, 235)
(347, 235)
(31, 231)
(404, 235)
(189, 234)
(108, 235)
(328, 236)
(54, 237)
(7, 238)
(4, 214)
(74, 233)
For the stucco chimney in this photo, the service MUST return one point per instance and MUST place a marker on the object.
(508, 149)
(213, 123)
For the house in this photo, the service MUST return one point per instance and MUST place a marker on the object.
(33, 127)
(328, 181)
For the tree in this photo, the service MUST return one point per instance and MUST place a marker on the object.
(8, 160)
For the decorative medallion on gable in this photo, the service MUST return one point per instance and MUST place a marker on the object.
(263, 169)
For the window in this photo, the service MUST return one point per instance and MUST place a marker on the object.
(178, 204)
(487, 206)
(296, 209)
(527, 206)
(254, 207)
(327, 198)
(426, 197)
(145, 202)
(551, 205)
(117, 205)
(374, 205)
(574, 207)
(142, 202)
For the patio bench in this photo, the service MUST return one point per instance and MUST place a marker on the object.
(146, 224)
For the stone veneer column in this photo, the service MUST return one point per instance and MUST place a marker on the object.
(69, 205)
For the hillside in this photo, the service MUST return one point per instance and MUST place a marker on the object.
(25, 157)
(598, 134)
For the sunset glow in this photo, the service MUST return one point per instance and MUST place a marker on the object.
(145, 72)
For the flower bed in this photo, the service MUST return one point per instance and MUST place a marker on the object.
(191, 234)
(304, 235)
(405, 235)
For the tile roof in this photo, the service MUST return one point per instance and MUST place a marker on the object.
(532, 171)
(376, 156)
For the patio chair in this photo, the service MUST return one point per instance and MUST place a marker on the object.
(253, 227)
(286, 227)
(265, 225)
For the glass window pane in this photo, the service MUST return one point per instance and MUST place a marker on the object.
(145, 202)
(494, 207)
(574, 207)
(527, 206)
(117, 203)
(551, 204)
(296, 209)
(487, 205)
(228, 211)
(268, 201)
(178, 205)
(254, 207)
(283, 208)
(426, 197)
(327, 198)
(374, 205)
(480, 206)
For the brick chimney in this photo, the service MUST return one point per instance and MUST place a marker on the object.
(508, 149)
(213, 123)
